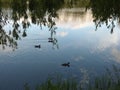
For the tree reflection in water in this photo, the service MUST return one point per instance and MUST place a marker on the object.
(105, 11)
(44, 13)
(5, 39)
(40, 12)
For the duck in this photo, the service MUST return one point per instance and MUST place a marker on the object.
(37, 46)
(50, 39)
(66, 64)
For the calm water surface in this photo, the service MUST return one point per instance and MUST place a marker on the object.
(89, 52)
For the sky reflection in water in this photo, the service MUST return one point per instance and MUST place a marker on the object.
(87, 50)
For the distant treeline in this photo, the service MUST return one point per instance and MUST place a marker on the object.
(76, 3)
(6, 1)
(67, 3)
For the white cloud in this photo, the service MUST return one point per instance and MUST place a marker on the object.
(79, 58)
(105, 41)
(85, 77)
(62, 34)
(116, 54)
(71, 19)
(108, 41)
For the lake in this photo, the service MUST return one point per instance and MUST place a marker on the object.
(39, 38)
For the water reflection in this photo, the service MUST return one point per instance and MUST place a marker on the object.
(88, 52)
(116, 54)
(5, 38)
(105, 12)
(47, 13)
(41, 13)
(76, 3)
(75, 17)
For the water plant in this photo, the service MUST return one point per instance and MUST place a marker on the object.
(109, 81)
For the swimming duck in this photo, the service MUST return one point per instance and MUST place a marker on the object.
(66, 64)
(50, 39)
(37, 46)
